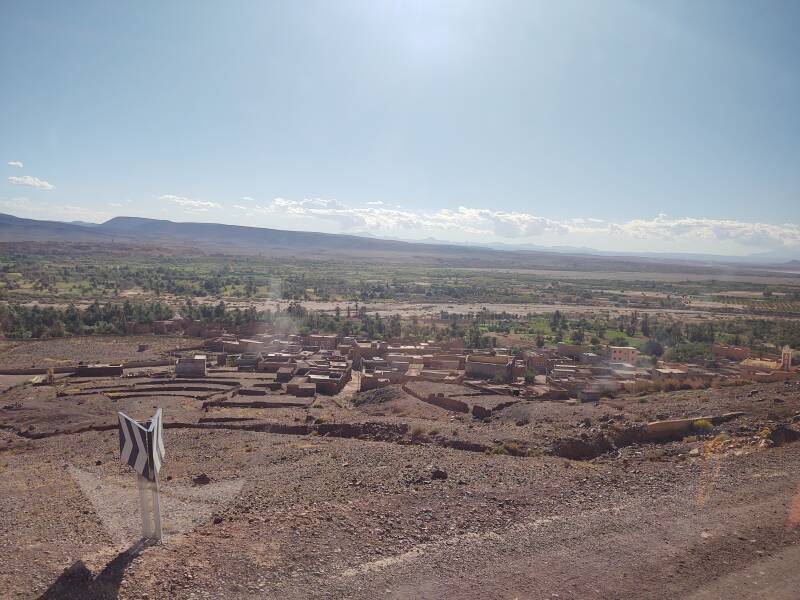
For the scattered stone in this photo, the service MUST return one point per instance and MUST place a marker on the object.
(583, 448)
(437, 473)
(784, 435)
(480, 412)
(201, 479)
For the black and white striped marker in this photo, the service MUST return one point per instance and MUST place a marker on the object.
(142, 447)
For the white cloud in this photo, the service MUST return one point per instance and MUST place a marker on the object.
(189, 204)
(15, 163)
(115, 204)
(664, 228)
(31, 181)
(500, 223)
(23, 206)
(466, 220)
(503, 224)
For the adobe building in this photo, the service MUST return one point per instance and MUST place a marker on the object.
(323, 342)
(301, 389)
(665, 372)
(624, 354)
(540, 360)
(224, 343)
(252, 346)
(444, 361)
(589, 358)
(194, 366)
(371, 381)
(730, 352)
(249, 361)
(328, 382)
(361, 350)
(569, 350)
(765, 370)
(483, 366)
(286, 373)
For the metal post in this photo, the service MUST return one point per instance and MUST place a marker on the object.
(150, 507)
(156, 498)
(144, 506)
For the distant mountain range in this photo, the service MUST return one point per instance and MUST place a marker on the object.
(236, 239)
(775, 257)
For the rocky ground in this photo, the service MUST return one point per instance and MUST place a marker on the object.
(383, 495)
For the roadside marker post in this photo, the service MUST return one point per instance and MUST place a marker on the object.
(142, 448)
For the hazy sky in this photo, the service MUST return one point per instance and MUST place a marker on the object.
(627, 125)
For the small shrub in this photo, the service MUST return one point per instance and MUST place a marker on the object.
(418, 434)
(514, 449)
(498, 449)
(703, 425)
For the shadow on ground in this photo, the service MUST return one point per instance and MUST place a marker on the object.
(78, 582)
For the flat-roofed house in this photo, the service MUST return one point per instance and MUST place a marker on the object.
(191, 366)
(249, 361)
(625, 354)
(323, 342)
(570, 350)
(488, 367)
(252, 346)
